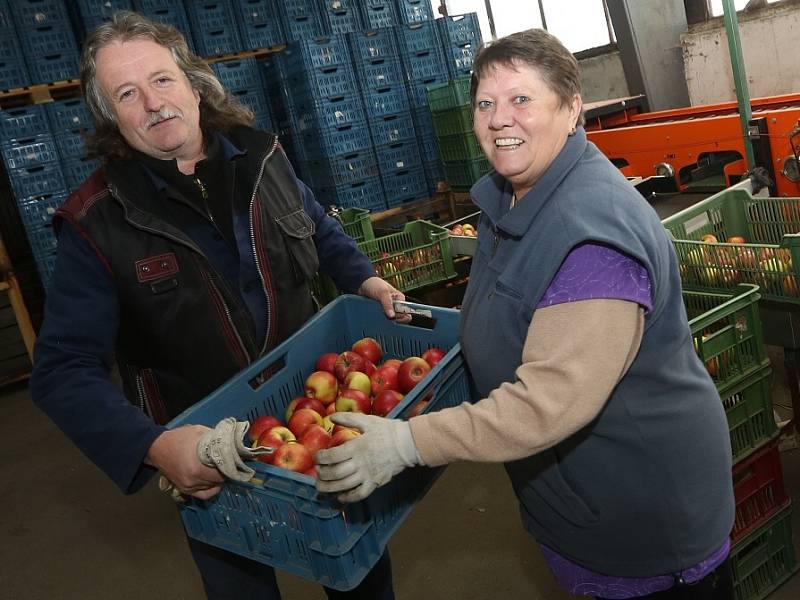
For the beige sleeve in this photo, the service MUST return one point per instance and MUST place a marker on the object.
(562, 384)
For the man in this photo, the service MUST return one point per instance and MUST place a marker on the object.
(185, 258)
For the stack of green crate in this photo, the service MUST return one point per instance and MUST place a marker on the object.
(462, 157)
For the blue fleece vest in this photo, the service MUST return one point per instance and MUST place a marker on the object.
(644, 489)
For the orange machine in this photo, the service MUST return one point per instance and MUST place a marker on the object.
(700, 144)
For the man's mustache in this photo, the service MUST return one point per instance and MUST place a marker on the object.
(161, 115)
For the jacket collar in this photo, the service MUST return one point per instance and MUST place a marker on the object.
(492, 194)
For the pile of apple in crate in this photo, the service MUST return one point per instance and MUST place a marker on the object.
(354, 380)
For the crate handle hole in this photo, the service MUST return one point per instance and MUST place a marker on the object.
(267, 373)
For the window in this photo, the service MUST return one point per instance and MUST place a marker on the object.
(716, 5)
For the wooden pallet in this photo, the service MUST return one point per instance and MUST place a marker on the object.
(16, 330)
(39, 93)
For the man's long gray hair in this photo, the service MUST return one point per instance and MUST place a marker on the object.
(218, 110)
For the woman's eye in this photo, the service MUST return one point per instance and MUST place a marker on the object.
(521, 99)
(484, 104)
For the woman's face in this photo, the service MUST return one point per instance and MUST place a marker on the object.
(520, 124)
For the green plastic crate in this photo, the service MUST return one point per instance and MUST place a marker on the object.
(462, 146)
(770, 258)
(462, 174)
(449, 95)
(764, 559)
(356, 223)
(419, 255)
(452, 121)
(748, 408)
(727, 333)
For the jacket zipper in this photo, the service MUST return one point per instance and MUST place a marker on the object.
(261, 275)
(204, 195)
(115, 193)
(141, 393)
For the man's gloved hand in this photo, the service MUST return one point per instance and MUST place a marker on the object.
(223, 447)
(361, 465)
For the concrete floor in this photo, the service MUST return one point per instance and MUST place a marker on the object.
(66, 533)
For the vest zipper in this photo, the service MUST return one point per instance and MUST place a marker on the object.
(495, 243)
(141, 393)
(204, 195)
(262, 273)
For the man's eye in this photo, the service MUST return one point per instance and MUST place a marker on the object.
(162, 80)
(126, 95)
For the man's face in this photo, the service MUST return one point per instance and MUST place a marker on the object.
(156, 109)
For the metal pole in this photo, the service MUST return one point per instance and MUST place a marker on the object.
(739, 78)
(490, 16)
(541, 13)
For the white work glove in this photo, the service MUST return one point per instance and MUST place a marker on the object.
(223, 447)
(369, 461)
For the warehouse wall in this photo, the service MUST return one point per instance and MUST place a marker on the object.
(768, 38)
(602, 77)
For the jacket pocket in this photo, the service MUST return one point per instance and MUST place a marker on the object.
(298, 230)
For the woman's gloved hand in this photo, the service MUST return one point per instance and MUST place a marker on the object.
(223, 447)
(369, 461)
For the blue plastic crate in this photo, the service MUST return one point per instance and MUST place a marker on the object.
(342, 16)
(241, 74)
(369, 46)
(215, 42)
(42, 239)
(341, 113)
(418, 37)
(13, 74)
(10, 49)
(402, 156)
(38, 211)
(426, 66)
(329, 171)
(423, 122)
(322, 143)
(414, 11)
(261, 35)
(301, 20)
(404, 186)
(378, 13)
(23, 122)
(254, 12)
(71, 145)
(278, 518)
(319, 53)
(459, 60)
(460, 30)
(28, 14)
(30, 151)
(36, 180)
(95, 12)
(381, 75)
(253, 99)
(46, 264)
(391, 129)
(263, 121)
(77, 171)
(367, 194)
(385, 102)
(434, 173)
(332, 82)
(68, 115)
(428, 145)
(53, 67)
(168, 12)
(259, 23)
(6, 19)
(47, 40)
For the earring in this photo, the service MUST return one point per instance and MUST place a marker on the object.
(572, 131)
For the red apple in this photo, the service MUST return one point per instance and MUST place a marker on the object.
(327, 424)
(261, 424)
(301, 419)
(312, 403)
(312, 472)
(369, 367)
(384, 378)
(392, 362)
(418, 408)
(358, 381)
(326, 362)
(385, 401)
(315, 438)
(411, 372)
(331, 409)
(274, 438)
(369, 348)
(346, 363)
(323, 386)
(432, 356)
(291, 407)
(293, 456)
(345, 434)
(351, 400)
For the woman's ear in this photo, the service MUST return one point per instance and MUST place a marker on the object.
(575, 110)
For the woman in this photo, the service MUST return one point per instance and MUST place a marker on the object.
(574, 330)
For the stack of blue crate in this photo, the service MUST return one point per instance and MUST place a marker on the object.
(461, 39)
(96, 12)
(48, 43)
(214, 28)
(425, 64)
(414, 11)
(378, 13)
(302, 20)
(381, 80)
(31, 162)
(342, 16)
(329, 115)
(13, 72)
(169, 12)
(281, 103)
(259, 25)
(243, 79)
(70, 123)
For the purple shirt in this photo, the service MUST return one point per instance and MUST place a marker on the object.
(592, 271)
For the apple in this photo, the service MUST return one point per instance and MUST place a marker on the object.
(312, 472)
(301, 419)
(709, 238)
(433, 355)
(290, 408)
(411, 372)
(384, 378)
(369, 367)
(392, 362)
(358, 381)
(331, 409)
(312, 403)
(315, 438)
(418, 408)
(351, 400)
(273, 438)
(345, 434)
(261, 424)
(323, 386)
(346, 363)
(369, 348)
(293, 456)
(326, 362)
(457, 229)
(327, 424)
(736, 239)
(385, 401)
